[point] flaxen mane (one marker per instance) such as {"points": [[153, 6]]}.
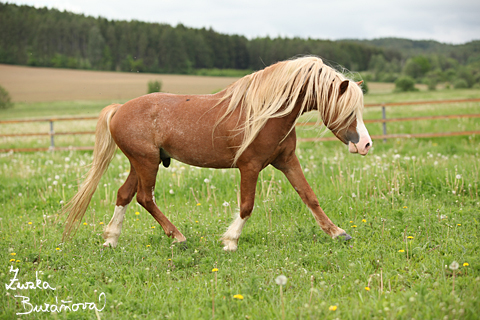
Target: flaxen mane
{"points": [[275, 91]]}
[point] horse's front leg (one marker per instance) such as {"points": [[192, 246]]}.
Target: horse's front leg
{"points": [[248, 184], [293, 171]]}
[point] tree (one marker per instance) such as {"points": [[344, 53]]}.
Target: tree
{"points": [[404, 84], [5, 101]]}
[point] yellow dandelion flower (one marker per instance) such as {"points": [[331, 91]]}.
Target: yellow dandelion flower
{"points": [[351, 221], [153, 227], [367, 288], [405, 207], [238, 296], [169, 259], [466, 264], [363, 220], [196, 221], [85, 223], [401, 250], [13, 254], [214, 270], [199, 204], [137, 219], [459, 224], [137, 213], [101, 222], [354, 226], [17, 261], [332, 308], [57, 249], [410, 237], [148, 245], [12, 260], [30, 222]]}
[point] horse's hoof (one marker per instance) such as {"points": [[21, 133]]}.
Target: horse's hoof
{"points": [[230, 245], [344, 237], [109, 244]]}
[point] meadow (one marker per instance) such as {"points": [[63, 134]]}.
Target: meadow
{"points": [[411, 205]]}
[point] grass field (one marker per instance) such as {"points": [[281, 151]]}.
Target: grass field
{"points": [[412, 207]]}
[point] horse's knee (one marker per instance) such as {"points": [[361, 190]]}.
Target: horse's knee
{"points": [[246, 210]]}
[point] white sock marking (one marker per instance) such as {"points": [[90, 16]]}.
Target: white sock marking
{"points": [[114, 227]]}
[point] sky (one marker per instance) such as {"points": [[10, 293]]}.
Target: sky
{"points": [[448, 21]]}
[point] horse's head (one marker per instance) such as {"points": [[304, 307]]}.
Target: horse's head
{"points": [[350, 128]]}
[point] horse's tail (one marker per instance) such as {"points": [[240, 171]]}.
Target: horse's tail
{"points": [[103, 152]]}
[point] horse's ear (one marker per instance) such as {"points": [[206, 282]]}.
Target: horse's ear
{"points": [[360, 82], [344, 86]]}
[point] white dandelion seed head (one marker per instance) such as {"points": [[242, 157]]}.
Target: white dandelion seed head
{"points": [[353, 195], [171, 191], [458, 176], [57, 177], [454, 265], [226, 204], [206, 181], [281, 280]]}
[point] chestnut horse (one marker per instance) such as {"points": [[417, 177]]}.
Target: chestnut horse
{"points": [[249, 125]]}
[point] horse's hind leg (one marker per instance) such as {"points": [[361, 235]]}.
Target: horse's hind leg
{"points": [[124, 197], [147, 168]]}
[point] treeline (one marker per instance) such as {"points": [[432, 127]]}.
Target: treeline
{"points": [[51, 38], [48, 37]]}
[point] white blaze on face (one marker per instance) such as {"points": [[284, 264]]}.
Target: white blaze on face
{"points": [[365, 142]]}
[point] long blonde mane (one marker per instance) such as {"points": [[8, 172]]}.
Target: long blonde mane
{"points": [[275, 91]]}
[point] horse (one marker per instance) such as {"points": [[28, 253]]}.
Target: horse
{"points": [[249, 125]]}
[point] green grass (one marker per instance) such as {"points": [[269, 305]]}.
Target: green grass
{"points": [[424, 188]]}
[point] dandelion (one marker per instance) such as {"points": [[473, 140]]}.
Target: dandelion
{"points": [[85, 223], [465, 264], [281, 280], [17, 261], [454, 266], [137, 213], [58, 249], [101, 222], [351, 221], [171, 191], [226, 204], [363, 220], [12, 260], [410, 237], [458, 176], [459, 224], [13, 254], [405, 207], [238, 296], [148, 246], [169, 259], [199, 204], [354, 226], [196, 221], [367, 288], [153, 227], [332, 308], [354, 195], [401, 250], [206, 181], [214, 270], [30, 222]]}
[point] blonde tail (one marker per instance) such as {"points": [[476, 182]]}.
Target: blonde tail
{"points": [[102, 155]]}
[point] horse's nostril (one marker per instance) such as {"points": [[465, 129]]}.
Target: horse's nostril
{"points": [[368, 145]]}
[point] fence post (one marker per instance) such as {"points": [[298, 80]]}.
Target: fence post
{"points": [[384, 123], [52, 133]]}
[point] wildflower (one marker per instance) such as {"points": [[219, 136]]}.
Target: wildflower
{"points": [[363, 220], [401, 250], [101, 222], [169, 259], [57, 249], [354, 195], [354, 226], [351, 221], [458, 176], [410, 237], [226, 204], [238, 296], [196, 221], [30, 222], [153, 227], [459, 224], [206, 181], [17, 261], [199, 204], [12, 260], [214, 270], [453, 265], [281, 280], [84, 223], [405, 207], [148, 245], [13, 254], [171, 191], [137, 213], [332, 308], [465, 264], [367, 288]]}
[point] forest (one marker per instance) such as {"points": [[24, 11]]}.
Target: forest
{"points": [[52, 38]]}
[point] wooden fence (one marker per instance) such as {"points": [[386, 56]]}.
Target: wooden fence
{"points": [[384, 122]]}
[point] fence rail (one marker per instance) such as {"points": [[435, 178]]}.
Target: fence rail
{"points": [[384, 121]]}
